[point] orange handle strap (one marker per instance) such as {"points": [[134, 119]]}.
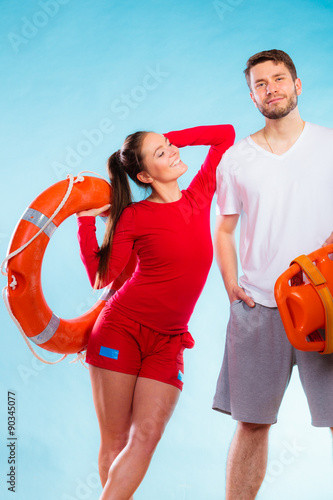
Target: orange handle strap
{"points": [[317, 279]]}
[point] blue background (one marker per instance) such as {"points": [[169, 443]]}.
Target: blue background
{"points": [[68, 67]]}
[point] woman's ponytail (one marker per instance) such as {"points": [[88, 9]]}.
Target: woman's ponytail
{"points": [[120, 198], [123, 163]]}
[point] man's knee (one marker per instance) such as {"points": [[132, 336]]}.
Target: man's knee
{"points": [[253, 429]]}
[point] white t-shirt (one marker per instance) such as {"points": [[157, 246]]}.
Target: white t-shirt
{"points": [[285, 203]]}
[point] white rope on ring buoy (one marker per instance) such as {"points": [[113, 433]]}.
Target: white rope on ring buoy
{"points": [[79, 178], [81, 355]]}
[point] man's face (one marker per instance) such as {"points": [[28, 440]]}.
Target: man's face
{"points": [[273, 90]]}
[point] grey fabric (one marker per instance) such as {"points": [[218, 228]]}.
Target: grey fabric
{"points": [[257, 366]]}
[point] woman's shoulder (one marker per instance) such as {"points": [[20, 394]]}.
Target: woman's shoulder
{"points": [[134, 212], [127, 216]]}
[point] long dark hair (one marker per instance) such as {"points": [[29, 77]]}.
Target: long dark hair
{"points": [[124, 163]]}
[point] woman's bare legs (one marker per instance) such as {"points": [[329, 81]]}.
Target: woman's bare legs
{"points": [[132, 415], [113, 398]]}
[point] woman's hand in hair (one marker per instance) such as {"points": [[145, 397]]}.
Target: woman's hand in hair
{"points": [[93, 212]]}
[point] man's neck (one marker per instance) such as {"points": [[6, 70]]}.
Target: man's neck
{"points": [[284, 127], [278, 136]]}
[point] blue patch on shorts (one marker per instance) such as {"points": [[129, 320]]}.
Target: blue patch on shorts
{"points": [[108, 353], [180, 376]]}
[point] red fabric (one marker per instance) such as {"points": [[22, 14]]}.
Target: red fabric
{"points": [[120, 344], [172, 241]]}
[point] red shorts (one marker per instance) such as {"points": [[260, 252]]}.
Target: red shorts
{"points": [[123, 345]]}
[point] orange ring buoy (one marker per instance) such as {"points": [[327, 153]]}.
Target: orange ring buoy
{"points": [[26, 299], [303, 295]]}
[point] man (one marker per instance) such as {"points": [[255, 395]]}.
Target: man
{"points": [[279, 181]]}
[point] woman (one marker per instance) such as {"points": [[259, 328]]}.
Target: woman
{"points": [[135, 350]]}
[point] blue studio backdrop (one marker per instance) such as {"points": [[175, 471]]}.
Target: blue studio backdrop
{"points": [[77, 77]]}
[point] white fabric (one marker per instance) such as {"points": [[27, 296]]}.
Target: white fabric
{"points": [[285, 203]]}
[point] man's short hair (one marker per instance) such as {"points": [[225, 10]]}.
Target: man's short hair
{"points": [[275, 55]]}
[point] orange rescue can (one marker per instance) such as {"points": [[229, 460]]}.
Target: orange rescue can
{"points": [[303, 295]]}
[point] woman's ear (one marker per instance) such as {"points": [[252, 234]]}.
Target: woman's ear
{"points": [[143, 176]]}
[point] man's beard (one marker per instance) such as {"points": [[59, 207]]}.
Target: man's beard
{"points": [[279, 111]]}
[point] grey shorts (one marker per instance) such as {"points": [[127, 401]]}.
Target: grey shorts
{"points": [[257, 366]]}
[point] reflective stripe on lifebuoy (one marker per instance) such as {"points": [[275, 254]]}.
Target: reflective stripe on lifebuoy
{"points": [[25, 297], [39, 220]]}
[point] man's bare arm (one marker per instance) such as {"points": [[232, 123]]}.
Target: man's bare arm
{"points": [[226, 256]]}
